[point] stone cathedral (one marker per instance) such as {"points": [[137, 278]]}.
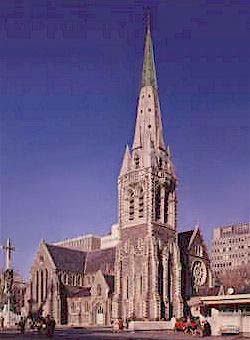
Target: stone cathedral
{"points": [[144, 269]]}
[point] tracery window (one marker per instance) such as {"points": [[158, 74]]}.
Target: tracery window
{"points": [[131, 206], [141, 203], [199, 273]]}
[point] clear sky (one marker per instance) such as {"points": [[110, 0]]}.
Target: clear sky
{"points": [[69, 82]]}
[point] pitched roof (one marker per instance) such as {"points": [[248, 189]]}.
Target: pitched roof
{"points": [[103, 260], [184, 239], [67, 259], [78, 291]]}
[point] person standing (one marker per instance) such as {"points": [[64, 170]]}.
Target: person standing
{"points": [[22, 325], [53, 326], [2, 323]]}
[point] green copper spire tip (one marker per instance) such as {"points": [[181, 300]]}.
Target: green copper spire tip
{"points": [[148, 71]]}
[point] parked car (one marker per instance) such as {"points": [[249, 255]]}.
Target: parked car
{"points": [[229, 329]]}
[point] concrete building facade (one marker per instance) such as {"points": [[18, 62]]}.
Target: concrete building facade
{"points": [[230, 248]]}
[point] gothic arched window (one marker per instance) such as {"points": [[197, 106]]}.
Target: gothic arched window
{"points": [[160, 163], [166, 206], [137, 161], [141, 284], [131, 206], [99, 290], [41, 288], [157, 202], [141, 203], [37, 285], [46, 282]]}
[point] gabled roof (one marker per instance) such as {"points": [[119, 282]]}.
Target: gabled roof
{"points": [[67, 259], [77, 291], [103, 260], [184, 239]]}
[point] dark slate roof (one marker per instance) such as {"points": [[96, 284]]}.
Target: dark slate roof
{"points": [[110, 282], [208, 291], [77, 291], [103, 260], [184, 239], [212, 291], [67, 259]]}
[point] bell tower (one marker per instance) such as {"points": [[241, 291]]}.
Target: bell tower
{"points": [[148, 263]]}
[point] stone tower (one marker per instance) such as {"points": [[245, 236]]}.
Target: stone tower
{"points": [[148, 269]]}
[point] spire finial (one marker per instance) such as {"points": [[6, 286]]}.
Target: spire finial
{"points": [[148, 19]]}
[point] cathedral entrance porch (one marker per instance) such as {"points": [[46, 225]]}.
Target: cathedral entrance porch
{"points": [[100, 316]]}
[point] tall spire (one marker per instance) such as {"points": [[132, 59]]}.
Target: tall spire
{"points": [[148, 121], [148, 71]]}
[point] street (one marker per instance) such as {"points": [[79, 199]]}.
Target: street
{"points": [[106, 333]]}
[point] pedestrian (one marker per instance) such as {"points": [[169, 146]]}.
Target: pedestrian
{"points": [[53, 325], [116, 326], [2, 323], [48, 326], [22, 325]]}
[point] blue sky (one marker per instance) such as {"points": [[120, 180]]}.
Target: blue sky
{"points": [[70, 74]]}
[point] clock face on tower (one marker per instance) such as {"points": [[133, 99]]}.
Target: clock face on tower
{"points": [[199, 273]]}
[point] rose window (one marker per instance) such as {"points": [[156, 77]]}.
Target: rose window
{"points": [[199, 273]]}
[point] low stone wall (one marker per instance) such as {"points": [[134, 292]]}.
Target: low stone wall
{"points": [[151, 325]]}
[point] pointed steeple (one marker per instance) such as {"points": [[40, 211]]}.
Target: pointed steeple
{"points": [[126, 161], [148, 121], [148, 70]]}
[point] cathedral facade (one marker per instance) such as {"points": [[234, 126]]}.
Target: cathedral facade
{"points": [[144, 270]]}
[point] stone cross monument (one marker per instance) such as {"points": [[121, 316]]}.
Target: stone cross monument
{"points": [[8, 280]]}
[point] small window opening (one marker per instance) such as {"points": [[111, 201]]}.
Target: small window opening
{"points": [[137, 161], [160, 163], [141, 203], [131, 207]]}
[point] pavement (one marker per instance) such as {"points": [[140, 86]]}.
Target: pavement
{"points": [[106, 333]]}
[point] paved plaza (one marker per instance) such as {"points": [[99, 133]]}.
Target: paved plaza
{"points": [[105, 333]]}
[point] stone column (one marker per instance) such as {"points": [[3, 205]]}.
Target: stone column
{"points": [[171, 210], [162, 203], [165, 283], [155, 299]]}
